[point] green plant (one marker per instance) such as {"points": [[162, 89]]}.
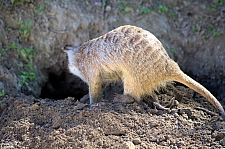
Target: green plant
{"points": [[123, 8], [27, 53], [207, 63], [144, 10], [173, 51], [215, 6], [163, 9], [4, 50], [212, 30], [194, 29], [25, 30], [11, 46], [213, 9], [17, 2], [27, 76], [1, 4], [216, 34], [41, 8], [103, 5], [205, 37], [2, 94]]}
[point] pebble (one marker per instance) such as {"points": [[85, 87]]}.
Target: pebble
{"points": [[35, 107], [184, 122], [128, 145], [123, 99], [108, 8], [144, 145], [84, 99], [80, 106], [185, 111], [3, 106], [136, 141], [175, 147], [223, 141]]}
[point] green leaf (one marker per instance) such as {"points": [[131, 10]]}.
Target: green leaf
{"points": [[216, 34], [25, 32], [22, 25], [128, 9]]}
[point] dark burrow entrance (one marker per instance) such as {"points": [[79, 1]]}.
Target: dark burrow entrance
{"points": [[68, 85], [63, 86]]}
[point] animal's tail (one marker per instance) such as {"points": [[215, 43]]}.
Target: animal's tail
{"points": [[186, 80], [67, 48]]}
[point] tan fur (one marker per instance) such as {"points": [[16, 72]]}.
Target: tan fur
{"points": [[134, 56]]}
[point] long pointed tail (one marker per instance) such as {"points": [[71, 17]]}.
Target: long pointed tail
{"points": [[186, 80]]}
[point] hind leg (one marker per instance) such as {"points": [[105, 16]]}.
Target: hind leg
{"points": [[131, 89]]}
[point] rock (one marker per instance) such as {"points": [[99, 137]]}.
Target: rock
{"points": [[175, 147], [108, 8], [153, 111], [80, 106], [186, 111], [84, 99], [223, 141], [3, 106], [35, 107], [123, 99], [144, 146], [137, 141], [116, 132], [57, 123], [128, 145], [219, 135]]}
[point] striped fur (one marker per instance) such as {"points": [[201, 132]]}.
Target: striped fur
{"points": [[134, 56]]}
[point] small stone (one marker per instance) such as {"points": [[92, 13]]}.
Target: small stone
{"points": [[153, 111], [184, 122], [175, 147], [80, 106], [84, 99], [185, 111], [3, 106], [128, 145], [181, 143], [223, 141], [152, 138], [136, 141], [123, 99], [57, 124], [108, 8], [175, 115], [144, 145], [219, 135], [35, 107]]}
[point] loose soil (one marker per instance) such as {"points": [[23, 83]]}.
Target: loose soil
{"points": [[28, 122]]}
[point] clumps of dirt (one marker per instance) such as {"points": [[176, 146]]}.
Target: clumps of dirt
{"points": [[44, 123]]}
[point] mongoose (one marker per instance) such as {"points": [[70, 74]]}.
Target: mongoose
{"points": [[134, 56]]}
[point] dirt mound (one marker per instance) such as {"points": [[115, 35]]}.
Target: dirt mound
{"points": [[44, 123]]}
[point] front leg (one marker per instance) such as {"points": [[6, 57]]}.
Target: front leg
{"points": [[95, 88]]}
